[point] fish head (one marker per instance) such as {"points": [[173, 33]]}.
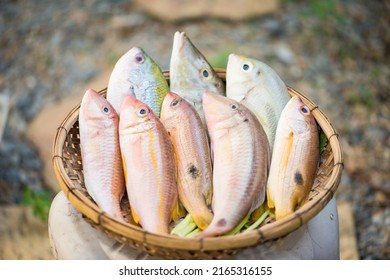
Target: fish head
{"points": [[190, 69], [173, 107], [222, 112], [95, 108], [136, 116], [300, 116], [244, 73], [138, 63]]}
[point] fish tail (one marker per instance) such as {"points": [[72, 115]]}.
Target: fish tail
{"points": [[178, 211], [216, 228], [203, 220]]}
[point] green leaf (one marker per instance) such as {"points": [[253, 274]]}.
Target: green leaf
{"points": [[194, 233], [238, 227], [323, 141], [186, 226], [221, 59], [40, 202], [258, 222]]}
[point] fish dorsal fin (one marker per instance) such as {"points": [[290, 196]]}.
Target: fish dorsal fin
{"points": [[178, 211]]}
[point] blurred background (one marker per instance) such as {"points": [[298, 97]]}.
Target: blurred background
{"points": [[336, 52]]}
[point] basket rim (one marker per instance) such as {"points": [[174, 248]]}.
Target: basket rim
{"points": [[267, 232]]}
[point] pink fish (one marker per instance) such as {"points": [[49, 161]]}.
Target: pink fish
{"points": [[101, 157], [149, 166], [241, 162]]}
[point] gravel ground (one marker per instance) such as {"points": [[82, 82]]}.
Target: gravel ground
{"points": [[338, 56]]}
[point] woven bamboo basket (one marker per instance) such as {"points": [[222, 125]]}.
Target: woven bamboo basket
{"points": [[69, 171]]}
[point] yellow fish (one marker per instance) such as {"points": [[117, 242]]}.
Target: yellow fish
{"points": [[295, 159], [192, 152]]}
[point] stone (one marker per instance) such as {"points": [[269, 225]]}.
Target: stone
{"points": [[127, 22], [176, 10], [284, 53], [22, 235], [43, 127], [348, 244], [4, 108]]}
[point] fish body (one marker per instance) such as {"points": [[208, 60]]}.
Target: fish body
{"points": [[191, 74], [149, 166], [100, 151], [136, 74], [240, 162], [192, 151], [295, 159], [259, 88]]}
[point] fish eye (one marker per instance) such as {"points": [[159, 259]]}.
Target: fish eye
{"points": [[245, 67], [139, 58], [106, 110], [175, 103], [233, 106], [206, 73], [305, 110], [142, 112]]}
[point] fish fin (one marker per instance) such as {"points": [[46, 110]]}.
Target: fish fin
{"points": [[124, 168], [178, 211], [212, 153], [270, 200], [135, 216], [208, 194]]}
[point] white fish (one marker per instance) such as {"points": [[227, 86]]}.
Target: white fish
{"points": [[191, 74], [136, 74], [258, 87]]}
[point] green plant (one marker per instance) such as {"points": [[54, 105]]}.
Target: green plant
{"points": [[112, 58], [39, 201], [220, 60]]}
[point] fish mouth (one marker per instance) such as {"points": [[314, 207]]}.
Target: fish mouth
{"points": [[178, 40], [234, 58], [91, 96]]}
